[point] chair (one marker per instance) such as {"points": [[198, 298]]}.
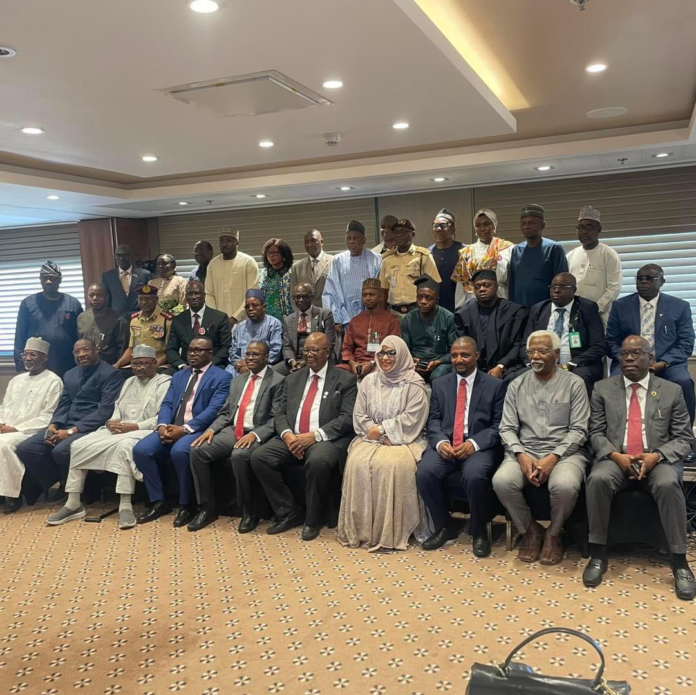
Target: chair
{"points": [[457, 502]]}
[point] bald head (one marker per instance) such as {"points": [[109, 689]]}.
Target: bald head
{"points": [[313, 243], [635, 358], [464, 353]]}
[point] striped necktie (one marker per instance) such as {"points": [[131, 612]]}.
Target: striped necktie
{"points": [[647, 325]]}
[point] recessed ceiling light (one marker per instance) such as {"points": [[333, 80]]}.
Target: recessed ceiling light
{"points": [[660, 155], [266, 143], [204, 6], [31, 130], [52, 197], [544, 167], [149, 158], [609, 112], [183, 202], [7, 52], [439, 179], [333, 84], [596, 67], [260, 195], [401, 125], [345, 188]]}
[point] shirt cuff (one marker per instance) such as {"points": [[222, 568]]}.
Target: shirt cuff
{"points": [[324, 438], [284, 432], [183, 365], [188, 429], [258, 439], [474, 444]]}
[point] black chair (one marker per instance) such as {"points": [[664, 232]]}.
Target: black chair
{"points": [[457, 501], [295, 479]]}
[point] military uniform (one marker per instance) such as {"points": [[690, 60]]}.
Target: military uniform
{"points": [[398, 272], [152, 331]]}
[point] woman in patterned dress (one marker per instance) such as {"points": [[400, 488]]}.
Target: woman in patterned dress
{"points": [[380, 506], [275, 278], [171, 288], [488, 253]]}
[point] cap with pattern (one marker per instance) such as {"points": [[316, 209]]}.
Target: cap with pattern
{"points": [[146, 290], [406, 224], [229, 231], [51, 268], [533, 210], [144, 351], [38, 345], [590, 213], [355, 226], [446, 214], [372, 284]]}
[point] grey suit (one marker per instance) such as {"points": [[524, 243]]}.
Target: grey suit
{"points": [[667, 431], [249, 493], [319, 321], [302, 272]]}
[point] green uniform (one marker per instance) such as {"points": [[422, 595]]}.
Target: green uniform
{"points": [[109, 332], [430, 340], [152, 331]]}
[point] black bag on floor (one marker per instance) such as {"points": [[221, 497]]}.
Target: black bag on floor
{"points": [[520, 679]]}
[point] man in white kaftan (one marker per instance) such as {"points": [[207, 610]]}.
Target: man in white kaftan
{"points": [[29, 402]]}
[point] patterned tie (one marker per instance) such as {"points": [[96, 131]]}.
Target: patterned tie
{"points": [[125, 282], [307, 405], [181, 412], [459, 415], [634, 437], [647, 326], [315, 263], [239, 427], [558, 327], [302, 327], [196, 324]]}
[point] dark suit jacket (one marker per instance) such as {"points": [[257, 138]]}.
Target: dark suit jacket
{"points": [[88, 405], [485, 410], [674, 329], [215, 326], [265, 408], [667, 424], [118, 300], [320, 321], [211, 393], [337, 403], [503, 339], [584, 319]]}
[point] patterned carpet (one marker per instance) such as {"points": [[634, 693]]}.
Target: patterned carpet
{"points": [[85, 607]]}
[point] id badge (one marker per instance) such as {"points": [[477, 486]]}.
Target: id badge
{"points": [[574, 339], [372, 347]]}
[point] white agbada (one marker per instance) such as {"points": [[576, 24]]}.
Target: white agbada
{"points": [[28, 407], [138, 403]]}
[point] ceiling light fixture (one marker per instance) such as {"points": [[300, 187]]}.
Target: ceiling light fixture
{"points": [[596, 67], [333, 84], [7, 52], [31, 130], [544, 167], [345, 188], [149, 158], [52, 197], [609, 112], [260, 195], [660, 155], [183, 202], [401, 125], [204, 6], [266, 143], [439, 179]]}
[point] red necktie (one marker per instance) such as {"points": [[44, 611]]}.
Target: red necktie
{"points": [[239, 427], [196, 324], [634, 438], [459, 415], [302, 328], [307, 405]]}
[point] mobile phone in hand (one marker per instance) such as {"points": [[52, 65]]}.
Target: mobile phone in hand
{"points": [[636, 468]]}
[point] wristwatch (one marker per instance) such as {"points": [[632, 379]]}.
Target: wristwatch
{"points": [[71, 431], [381, 430], [500, 366]]}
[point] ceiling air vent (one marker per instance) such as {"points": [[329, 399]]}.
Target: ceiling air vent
{"points": [[247, 95]]}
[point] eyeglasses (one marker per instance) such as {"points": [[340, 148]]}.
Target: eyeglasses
{"points": [[442, 225], [386, 353], [647, 278], [632, 353], [540, 351], [562, 287], [585, 227], [313, 351], [199, 351]]}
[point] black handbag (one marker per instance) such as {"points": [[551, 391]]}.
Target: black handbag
{"points": [[510, 677]]}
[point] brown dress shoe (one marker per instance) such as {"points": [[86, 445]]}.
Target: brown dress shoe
{"points": [[552, 552], [531, 545]]}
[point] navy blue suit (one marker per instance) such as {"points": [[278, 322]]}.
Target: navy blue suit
{"points": [[149, 452], [484, 414], [674, 338], [119, 301]]}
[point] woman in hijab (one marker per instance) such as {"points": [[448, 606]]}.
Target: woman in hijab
{"points": [[380, 507], [488, 253]]}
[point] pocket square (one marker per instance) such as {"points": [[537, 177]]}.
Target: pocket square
{"points": [[336, 394]]}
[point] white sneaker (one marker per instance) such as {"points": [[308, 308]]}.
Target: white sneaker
{"points": [[63, 515]]}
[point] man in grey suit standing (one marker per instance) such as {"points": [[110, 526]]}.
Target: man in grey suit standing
{"points": [[315, 267], [122, 280], [640, 431], [242, 425]]}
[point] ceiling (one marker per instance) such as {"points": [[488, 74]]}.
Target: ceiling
{"points": [[490, 90]]}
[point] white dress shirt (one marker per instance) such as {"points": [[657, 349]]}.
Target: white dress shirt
{"points": [[316, 405], [251, 406], [642, 394], [200, 313], [469, 389], [565, 342]]}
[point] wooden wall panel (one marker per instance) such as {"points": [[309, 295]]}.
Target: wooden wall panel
{"points": [[96, 249]]}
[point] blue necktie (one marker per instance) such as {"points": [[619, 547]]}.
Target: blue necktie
{"points": [[558, 328]]}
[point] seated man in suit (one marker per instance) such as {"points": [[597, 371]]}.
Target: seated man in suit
{"points": [[496, 324], [308, 318], [123, 280], [543, 429], [87, 402], [244, 423], [196, 321], [578, 324], [465, 411], [314, 424], [192, 403], [640, 431], [664, 321]]}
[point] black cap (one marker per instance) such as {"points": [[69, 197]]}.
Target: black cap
{"points": [[355, 226], [484, 274], [425, 282]]}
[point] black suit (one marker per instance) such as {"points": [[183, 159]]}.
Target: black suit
{"points": [[338, 393], [584, 319], [484, 413], [500, 343], [215, 326], [118, 300]]}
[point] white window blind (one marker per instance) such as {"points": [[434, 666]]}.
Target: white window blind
{"points": [[22, 252]]}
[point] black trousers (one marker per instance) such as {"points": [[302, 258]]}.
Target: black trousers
{"points": [[250, 495], [268, 462]]}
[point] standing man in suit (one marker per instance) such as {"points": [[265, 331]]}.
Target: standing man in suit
{"points": [[192, 403], [664, 321], [313, 269], [296, 327], [314, 425], [203, 253], [465, 411], [242, 426], [577, 323], [123, 280], [640, 431], [496, 325], [196, 321]]}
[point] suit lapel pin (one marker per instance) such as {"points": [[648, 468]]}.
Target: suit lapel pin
{"points": [[325, 395], [653, 393]]}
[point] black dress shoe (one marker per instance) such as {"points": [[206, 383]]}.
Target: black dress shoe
{"points": [[285, 523], [309, 533], [201, 520], [248, 523], [439, 538], [592, 574], [12, 504], [183, 516], [157, 510], [481, 546], [685, 584]]}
